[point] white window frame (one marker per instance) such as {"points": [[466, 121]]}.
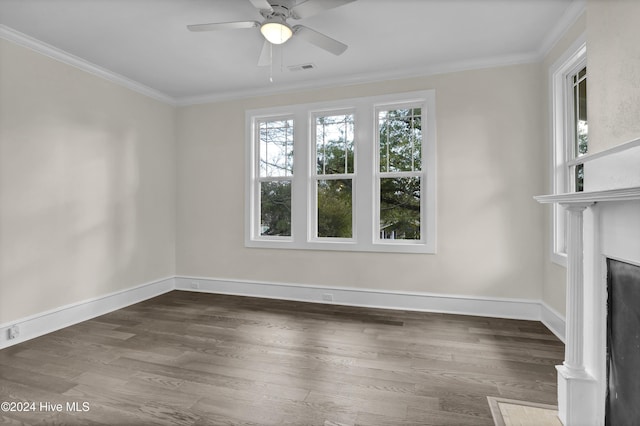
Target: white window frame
{"points": [[259, 179], [315, 177], [365, 236], [562, 133], [390, 175]]}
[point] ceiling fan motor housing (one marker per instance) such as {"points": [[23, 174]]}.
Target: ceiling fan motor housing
{"points": [[280, 9]]}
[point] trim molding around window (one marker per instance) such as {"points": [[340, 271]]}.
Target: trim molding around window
{"points": [[354, 175], [566, 150]]}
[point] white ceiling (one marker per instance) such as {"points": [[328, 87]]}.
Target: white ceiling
{"points": [[146, 41]]}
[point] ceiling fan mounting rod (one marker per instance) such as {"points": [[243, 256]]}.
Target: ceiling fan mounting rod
{"points": [[281, 11]]}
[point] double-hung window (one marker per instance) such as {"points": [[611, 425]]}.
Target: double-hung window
{"points": [[398, 183], [274, 138], [578, 132], [333, 175], [356, 174], [569, 134]]}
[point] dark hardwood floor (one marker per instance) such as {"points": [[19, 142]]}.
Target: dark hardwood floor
{"points": [[202, 359]]}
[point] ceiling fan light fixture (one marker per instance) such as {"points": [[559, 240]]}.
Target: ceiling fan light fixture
{"points": [[276, 31]]}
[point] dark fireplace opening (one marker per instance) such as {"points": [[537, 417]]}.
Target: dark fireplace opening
{"points": [[623, 344]]}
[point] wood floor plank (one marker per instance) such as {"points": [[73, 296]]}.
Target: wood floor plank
{"points": [[186, 358]]}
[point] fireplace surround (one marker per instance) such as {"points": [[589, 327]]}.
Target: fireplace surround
{"points": [[623, 344], [604, 223]]}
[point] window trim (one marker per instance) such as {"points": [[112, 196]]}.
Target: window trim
{"points": [[568, 64], [364, 176], [379, 175], [314, 178], [255, 173]]}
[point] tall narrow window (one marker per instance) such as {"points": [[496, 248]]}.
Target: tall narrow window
{"points": [[580, 130], [275, 145], [570, 135], [334, 149], [400, 173]]}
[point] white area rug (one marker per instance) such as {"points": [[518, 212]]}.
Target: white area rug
{"points": [[509, 412]]}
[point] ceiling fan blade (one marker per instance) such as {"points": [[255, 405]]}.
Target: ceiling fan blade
{"points": [[224, 26], [312, 7], [320, 40], [261, 4], [265, 55]]}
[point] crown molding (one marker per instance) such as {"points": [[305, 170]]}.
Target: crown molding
{"points": [[569, 17], [9, 34], [407, 73], [53, 52]]}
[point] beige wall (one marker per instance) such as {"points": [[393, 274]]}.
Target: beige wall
{"points": [[87, 185], [613, 60], [555, 276], [88, 174], [489, 157]]}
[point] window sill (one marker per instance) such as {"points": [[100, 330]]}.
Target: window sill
{"points": [[395, 247], [559, 259]]}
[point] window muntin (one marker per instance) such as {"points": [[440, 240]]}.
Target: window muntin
{"points": [[399, 134], [275, 174], [334, 136], [275, 138], [400, 139]]}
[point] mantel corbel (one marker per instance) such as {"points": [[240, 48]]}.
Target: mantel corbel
{"points": [[577, 207]]}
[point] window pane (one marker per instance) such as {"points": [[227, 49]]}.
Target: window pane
{"points": [[276, 148], [580, 107], [275, 208], [400, 208], [582, 72], [400, 133], [334, 144], [335, 208], [580, 127], [579, 178]]}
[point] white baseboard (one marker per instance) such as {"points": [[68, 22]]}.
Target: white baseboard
{"points": [[47, 322], [450, 304], [552, 320]]}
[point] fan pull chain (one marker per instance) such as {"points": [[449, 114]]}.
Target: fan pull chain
{"points": [[270, 63], [281, 60]]}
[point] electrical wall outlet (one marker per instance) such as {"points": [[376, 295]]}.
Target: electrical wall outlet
{"points": [[327, 297], [195, 284], [13, 332]]}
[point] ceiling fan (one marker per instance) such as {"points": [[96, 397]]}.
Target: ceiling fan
{"points": [[275, 28]]}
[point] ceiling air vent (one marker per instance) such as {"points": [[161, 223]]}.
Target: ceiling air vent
{"points": [[302, 67]]}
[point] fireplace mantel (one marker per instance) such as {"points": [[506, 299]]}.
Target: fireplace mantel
{"points": [[623, 194], [603, 222]]}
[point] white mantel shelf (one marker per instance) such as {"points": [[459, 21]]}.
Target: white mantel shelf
{"points": [[624, 194]]}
